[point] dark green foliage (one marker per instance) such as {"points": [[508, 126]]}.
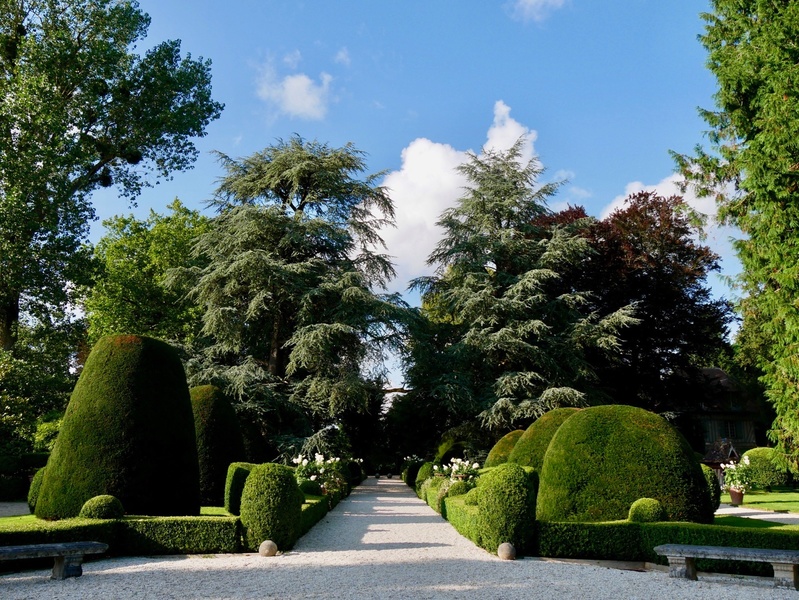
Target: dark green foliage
{"points": [[713, 486], [506, 507], [313, 511], [128, 431], [424, 473], [646, 510], [502, 449], [530, 449], [234, 485], [219, 440], [763, 471], [102, 507], [309, 487], [33, 491], [410, 472], [271, 507], [603, 458]]}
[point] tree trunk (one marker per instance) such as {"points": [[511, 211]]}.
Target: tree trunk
{"points": [[9, 317], [274, 348]]}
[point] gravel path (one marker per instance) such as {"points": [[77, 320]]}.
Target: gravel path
{"points": [[381, 542]]}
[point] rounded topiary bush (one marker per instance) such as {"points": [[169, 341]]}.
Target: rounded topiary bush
{"points": [[237, 474], [763, 472], [713, 487], [271, 507], [219, 440], [646, 510], [103, 506], [458, 488], [502, 449], [603, 458], [425, 472], [33, 490], [310, 487], [532, 445], [128, 431], [506, 501]]}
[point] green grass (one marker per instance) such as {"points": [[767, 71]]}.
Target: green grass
{"points": [[733, 521], [780, 500]]}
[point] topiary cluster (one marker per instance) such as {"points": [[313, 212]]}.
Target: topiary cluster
{"points": [[502, 449], [506, 500], [271, 507], [532, 445], [763, 472], [128, 431], [237, 474], [219, 440], [102, 507], [646, 510], [603, 458]]}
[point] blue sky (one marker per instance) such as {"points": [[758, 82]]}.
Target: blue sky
{"points": [[603, 90]]}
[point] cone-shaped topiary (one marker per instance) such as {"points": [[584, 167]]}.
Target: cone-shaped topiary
{"points": [[219, 441], [604, 458], [502, 449], [128, 431], [33, 490], [530, 448], [713, 487], [271, 507]]}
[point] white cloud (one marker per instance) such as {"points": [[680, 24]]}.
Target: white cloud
{"points": [[342, 57], [295, 95], [428, 183], [292, 59], [505, 131], [534, 10]]}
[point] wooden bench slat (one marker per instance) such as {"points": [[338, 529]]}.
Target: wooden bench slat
{"points": [[68, 555]]}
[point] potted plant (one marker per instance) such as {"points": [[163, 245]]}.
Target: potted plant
{"points": [[737, 480]]}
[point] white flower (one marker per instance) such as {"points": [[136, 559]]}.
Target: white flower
{"points": [[319, 457], [476, 466], [304, 462], [435, 467], [313, 477], [746, 460]]}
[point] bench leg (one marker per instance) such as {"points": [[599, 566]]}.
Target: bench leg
{"points": [[786, 575], [67, 566], [683, 567]]}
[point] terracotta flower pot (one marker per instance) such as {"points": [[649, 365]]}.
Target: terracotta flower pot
{"points": [[736, 497]]}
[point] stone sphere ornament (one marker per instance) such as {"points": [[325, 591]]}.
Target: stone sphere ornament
{"points": [[267, 548], [506, 551]]}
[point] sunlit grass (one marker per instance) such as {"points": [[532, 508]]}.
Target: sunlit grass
{"points": [[780, 500]]}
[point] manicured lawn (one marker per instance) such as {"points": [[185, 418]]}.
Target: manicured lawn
{"points": [[784, 500], [733, 521]]}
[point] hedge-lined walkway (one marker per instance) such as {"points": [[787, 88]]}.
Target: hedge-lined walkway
{"points": [[381, 542]]}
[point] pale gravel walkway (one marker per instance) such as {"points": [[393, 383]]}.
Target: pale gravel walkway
{"points": [[381, 542]]}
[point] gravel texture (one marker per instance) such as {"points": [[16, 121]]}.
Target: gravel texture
{"points": [[381, 542]]}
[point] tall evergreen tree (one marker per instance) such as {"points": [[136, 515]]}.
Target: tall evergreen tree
{"points": [[752, 168], [517, 338], [290, 291]]}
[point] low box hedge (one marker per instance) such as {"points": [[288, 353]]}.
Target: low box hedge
{"points": [[177, 535]]}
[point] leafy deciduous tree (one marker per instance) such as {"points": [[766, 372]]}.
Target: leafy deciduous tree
{"points": [[80, 110]]}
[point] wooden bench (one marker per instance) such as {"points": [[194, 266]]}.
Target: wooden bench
{"points": [[68, 556], [682, 560]]}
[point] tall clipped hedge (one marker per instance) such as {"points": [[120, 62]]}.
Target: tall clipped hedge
{"points": [[219, 440], [271, 506], [128, 431], [532, 445], [502, 449], [506, 502], [604, 458]]}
